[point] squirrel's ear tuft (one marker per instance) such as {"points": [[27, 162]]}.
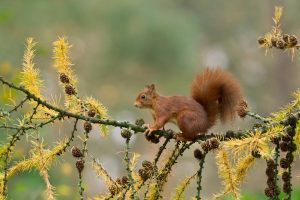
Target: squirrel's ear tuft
{"points": [[152, 87]]}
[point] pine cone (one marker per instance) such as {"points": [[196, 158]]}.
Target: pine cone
{"points": [[270, 172], [214, 143], [242, 109], [91, 113], [292, 40], [87, 126], [198, 154], [271, 163], [76, 152], [286, 138], [143, 174], [147, 164], [80, 165], [285, 177], [205, 146], [125, 180], [284, 163], [261, 40], [284, 146], [269, 192], [113, 189], [271, 182], [119, 181], [69, 90], [126, 133], [63, 78], [274, 41], [139, 122], [285, 37], [280, 44], [275, 139]]}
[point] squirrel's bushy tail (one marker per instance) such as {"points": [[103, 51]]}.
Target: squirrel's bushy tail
{"points": [[218, 92]]}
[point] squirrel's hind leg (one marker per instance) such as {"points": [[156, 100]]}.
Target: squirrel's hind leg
{"points": [[191, 123]]}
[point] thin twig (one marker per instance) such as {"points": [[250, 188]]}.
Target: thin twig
{"points": [[155, 168], [77, 116], [80, 187], [18, 106], [135, 128], [84, 152], [14, 139], [128, 169], [160, 151], [27, 127], [257, 116], [277, 154], [199, 176], [162, 177], [70, 139], [33, 113]]}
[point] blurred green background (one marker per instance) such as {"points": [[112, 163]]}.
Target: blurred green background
{"points": [[119, 46]]}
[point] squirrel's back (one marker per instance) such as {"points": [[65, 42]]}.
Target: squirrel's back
{"points": [[218, 92]]}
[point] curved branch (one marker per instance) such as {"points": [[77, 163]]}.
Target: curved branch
{"points": [[135, 128]]}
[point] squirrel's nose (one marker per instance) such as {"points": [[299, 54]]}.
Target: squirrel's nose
{"points": [[136, 104]]}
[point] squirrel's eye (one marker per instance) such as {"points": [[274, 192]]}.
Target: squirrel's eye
{"points": [[143, 97]]}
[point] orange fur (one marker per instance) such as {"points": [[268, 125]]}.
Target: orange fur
{"points": [[213, 92]]}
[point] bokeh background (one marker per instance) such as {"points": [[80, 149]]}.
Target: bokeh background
{"points": [[119, 46]]}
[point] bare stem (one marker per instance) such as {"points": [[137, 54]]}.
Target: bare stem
{"points": [[129, 172], [155, 168], [12, 142], [135, 128], [18, 106], [70, 139], [162, 177], [277, 154], [80, 186], [199, 176], [257, 116]]}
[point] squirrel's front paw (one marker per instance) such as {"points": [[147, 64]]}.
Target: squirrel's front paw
{"points": [[149, 130], [147, 126]]}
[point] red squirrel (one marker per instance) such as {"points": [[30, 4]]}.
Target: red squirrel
{"points": [[214, 93]]}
